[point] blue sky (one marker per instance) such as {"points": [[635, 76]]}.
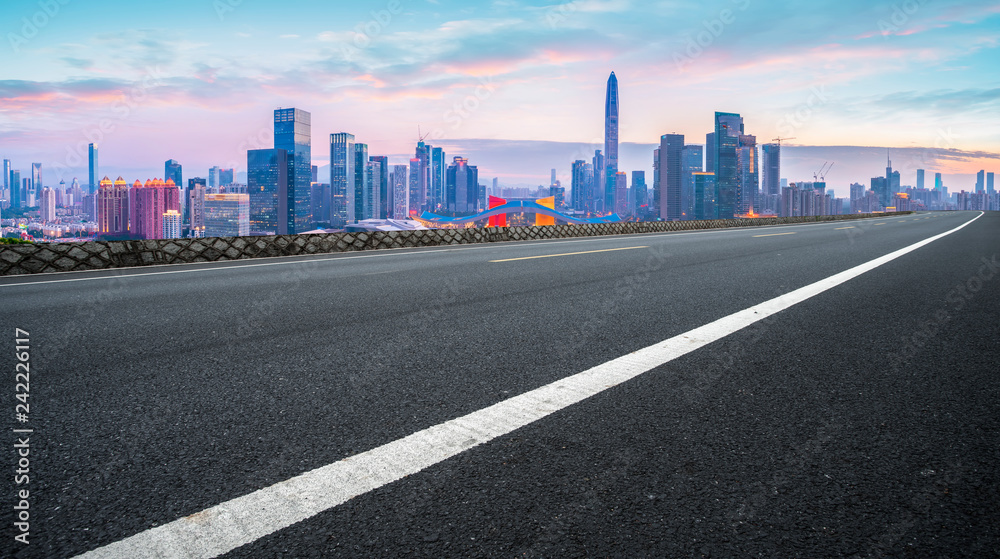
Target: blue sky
{"points": [[197, 81]]}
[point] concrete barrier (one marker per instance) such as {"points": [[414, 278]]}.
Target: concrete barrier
{"points": [[100, 255]]}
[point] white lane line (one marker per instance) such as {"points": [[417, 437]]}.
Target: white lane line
{"points": [[385, 253], [222, 528]]}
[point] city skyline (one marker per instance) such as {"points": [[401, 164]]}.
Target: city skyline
{"points": [[475, 86]]}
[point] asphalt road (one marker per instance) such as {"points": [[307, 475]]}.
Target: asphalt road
{"points": [[862, 422]]}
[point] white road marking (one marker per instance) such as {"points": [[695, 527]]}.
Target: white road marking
{"points": [[222, 528]]}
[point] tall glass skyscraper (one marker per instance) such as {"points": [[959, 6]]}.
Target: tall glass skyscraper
{"points": [[462, 187], [438, 179], [381, 172], [920, 178], [691, 163], [6, 175], [267, 185], [341, 178], [293, 133], [728, 129], [770, 166], [671, 176], [362, 185], [92, 161], [610, 166]]}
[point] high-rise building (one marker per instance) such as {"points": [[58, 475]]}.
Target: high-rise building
{"points": [[582, 186], [691, 163], [227, 177], [710, 152], [267, 185], [439, 171], [610, 167], [704, 196], [981, 181], [113, 207], [920, 178], [15, 190], [196, 207], [380, 179], [423, 179], [400, 193], [92, 162], [6, 176], [36, 181], [671, 176], [48, 204], [147, 204], [770, 169], [227, 215], [989, 183], [621, 193], [857, 191], [342, 160], [373, 194], [640, 195], [318, 200], [938, 183], [214, 180], [748, 174], [599, 181], [462, 187], [728, 129], [172, 170], [414, 186], [293, 133], [171, 224], [362, 185]]}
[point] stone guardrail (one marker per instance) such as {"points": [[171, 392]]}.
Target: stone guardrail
{"points": [[99, 255]]}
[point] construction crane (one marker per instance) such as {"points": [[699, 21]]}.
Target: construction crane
{"points": [[819, 173], [779, 140], [822, 176]]}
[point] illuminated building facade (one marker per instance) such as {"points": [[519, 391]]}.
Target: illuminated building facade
{"points": [[113, 207], [147, 204], [227, 215]]}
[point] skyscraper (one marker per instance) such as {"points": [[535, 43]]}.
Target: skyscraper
{"points": [[597, 195], [728, 129], [691, 163], [293, 133], [400, 193], [920, 178], [423, 180], [48, 204], [362, 185], [195, 207], [581, 194], [214, 180], [113, 207], [6, 177], [770, 167], [92, 161], [462, 187], [380, 181], [15, 190], [989, 183], [640, 194], [36, 183], [227, 176], [671, 175], [704, 196], [267, 185], [621, 193], [172, 170], [981, 181], [610, 166], [171, 225], [439, 170], [938, 183], [414, 186], [227, 215], [748, 173], [710, 152], [341, 178]]}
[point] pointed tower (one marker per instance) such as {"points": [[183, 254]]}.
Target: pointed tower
{"points": [[610, 143]]}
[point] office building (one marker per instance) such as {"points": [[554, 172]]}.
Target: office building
{"points": [[981, 181], [439, 179], [938, 183], [6, 177], [113, 208], [318, 199], [361, 207], [640, 195], [748, 174], [770, 169], [989, 183], [380, 181], [92, 163], [920, 178], [462, 187], [728, 129], [293, 133], [342, 159], [671, 176], [691, 162], [414, 185], [598, 184], [610, 166], [267, 186], [422, 179], [704, 196], [172, 170], [36, 184], [400, 192], [227, 215], [581, 186], [621, 194]]}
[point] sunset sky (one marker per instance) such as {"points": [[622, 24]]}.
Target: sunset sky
{"points": [[517, 86]]}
